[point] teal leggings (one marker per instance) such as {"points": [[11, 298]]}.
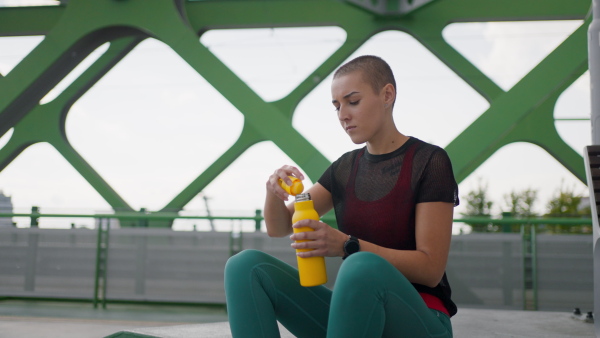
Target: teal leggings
{"points": [[371, 298]]}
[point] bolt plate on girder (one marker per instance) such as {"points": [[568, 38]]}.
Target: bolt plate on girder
{"points": [[390, 7]]}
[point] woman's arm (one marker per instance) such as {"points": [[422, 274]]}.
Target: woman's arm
{"points": [[425, 265], [433, 232], [321, 197], [278, 216]]}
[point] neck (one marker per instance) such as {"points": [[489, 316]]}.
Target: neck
{"points": [[386, 144]]}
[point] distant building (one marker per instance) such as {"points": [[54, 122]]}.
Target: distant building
{"points": [[6, 206]]}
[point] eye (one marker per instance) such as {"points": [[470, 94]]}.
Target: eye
{"points": [[354, 103], [336, 108]]}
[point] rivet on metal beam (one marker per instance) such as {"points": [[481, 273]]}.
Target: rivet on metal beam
{"points": [[390, 7]]}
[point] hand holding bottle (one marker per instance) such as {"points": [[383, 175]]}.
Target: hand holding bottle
{"points": [[323, 240]]}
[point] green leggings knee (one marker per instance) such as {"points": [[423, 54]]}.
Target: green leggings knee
{"points": [[371, 298]]}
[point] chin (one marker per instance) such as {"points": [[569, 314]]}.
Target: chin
{"points": [[357, 141]]}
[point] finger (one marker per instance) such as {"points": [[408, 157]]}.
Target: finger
{"points": [[310, 223], [285, 171], [291, 171], [306, 254], [303, 245], [279, 191], [307, 245], [311, 253], [302, 236], [274, 187], [296, 172]]}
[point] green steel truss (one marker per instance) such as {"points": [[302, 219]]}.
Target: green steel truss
{"points": [[73, 31]]}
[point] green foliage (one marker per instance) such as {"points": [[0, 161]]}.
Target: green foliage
{"points": [[520, 205], [564, 204], [567, 203], [477, 201], [478, 205]]}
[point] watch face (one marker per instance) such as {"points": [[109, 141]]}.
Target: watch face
{"points": [[351, 246]]}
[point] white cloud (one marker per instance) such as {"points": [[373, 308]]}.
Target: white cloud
{"points": [[506, 51], [6, 137], [14, 49], [517, 47], [274, 61], [24, 3]]}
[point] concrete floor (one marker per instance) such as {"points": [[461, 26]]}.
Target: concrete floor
{"points": [[69, 320]]}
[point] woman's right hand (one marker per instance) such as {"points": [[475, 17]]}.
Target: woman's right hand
{"points": [[273, 186]]}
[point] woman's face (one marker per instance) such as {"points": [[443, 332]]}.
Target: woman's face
{"points": [[360, 110]]}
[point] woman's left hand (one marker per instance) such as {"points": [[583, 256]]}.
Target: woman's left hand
{"points": [[324, 240]]}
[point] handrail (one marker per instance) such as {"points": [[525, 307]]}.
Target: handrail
{"points": [[528, 237], [258, 217], [133, 215], [538, 220]]}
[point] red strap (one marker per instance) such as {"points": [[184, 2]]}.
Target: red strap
{"points": [[434, 303]]}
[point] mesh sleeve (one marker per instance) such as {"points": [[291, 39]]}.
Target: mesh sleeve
{"points": [[437, 183]]}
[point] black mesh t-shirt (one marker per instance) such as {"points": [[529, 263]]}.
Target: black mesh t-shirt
{"points": [[432, 177], [381, 205]]}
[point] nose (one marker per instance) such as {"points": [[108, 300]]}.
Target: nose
{"points": [[343, 114]]}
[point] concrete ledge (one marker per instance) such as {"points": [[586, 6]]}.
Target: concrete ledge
{"points": [[467, 323], [213, 330]]}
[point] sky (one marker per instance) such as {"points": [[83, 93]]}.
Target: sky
{"points": [[152, 124]]}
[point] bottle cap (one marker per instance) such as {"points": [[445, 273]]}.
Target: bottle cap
{"points": [[296, 188]]}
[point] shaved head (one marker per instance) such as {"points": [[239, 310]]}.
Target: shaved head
{"points": [[376, 72]]}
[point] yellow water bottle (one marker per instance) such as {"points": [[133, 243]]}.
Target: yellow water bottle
{"points": [[296, 188], [312, 269]]}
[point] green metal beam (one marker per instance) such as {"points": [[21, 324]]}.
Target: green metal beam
{"points": [[248, 138], [73, 31], [45, 123], [431, 37], [23, 21], [507, 119]]}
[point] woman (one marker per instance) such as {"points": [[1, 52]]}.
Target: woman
{"points": [[393, 201]]}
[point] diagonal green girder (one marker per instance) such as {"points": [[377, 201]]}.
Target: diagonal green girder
{"points": [[249, 136], [524, 113], [542, 85], [45, 123]]}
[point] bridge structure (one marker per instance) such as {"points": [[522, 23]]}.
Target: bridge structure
{"points": [[74, 29]]}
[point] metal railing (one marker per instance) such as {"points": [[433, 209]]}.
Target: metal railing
{"points": [[528, 233], [528, 229]]}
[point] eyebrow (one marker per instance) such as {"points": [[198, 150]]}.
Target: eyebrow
{"points": [[346, 96]]}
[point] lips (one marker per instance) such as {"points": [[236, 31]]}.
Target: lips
{"points": [[350, 128]]}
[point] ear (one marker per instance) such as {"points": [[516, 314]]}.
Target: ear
{"points": [[389, 94]]}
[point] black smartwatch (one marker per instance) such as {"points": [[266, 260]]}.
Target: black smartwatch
{"points": [[351, 246]]}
